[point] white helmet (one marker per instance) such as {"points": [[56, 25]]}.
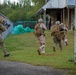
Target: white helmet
{"points": [[57, 22], [62, 24], [40, 20]]}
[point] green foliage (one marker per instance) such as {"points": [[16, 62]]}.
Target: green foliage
{"points": [[22, 10], [38, 3]]}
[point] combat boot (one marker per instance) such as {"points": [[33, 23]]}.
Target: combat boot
{"points": [[38, 50], [6, 55], [54, 49], [66, 43], [61, 48]]}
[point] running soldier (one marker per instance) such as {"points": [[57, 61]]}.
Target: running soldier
{"points": [[2, 29], [63, 32], [55, 32], [39, 33]]}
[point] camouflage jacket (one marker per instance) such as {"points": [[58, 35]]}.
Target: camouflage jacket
{"points": [[2, 28]]}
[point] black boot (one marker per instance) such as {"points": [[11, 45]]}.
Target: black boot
{"points": [[38, 50], [6, 55], [66, 43], [61, 48], [54, 49]]}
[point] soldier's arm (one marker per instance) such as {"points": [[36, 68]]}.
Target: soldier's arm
{"points": [[44, 27], [66, 29]]}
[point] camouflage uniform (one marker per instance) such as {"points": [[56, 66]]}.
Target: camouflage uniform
{"points": [[2, 29], [56, 36], [63, 31], [41, 38]]}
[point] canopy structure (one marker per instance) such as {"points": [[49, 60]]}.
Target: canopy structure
{"points": [[56, 4]]}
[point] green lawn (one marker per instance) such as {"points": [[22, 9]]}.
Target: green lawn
{"points": [[23, 48]]}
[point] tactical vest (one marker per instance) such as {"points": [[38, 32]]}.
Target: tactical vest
{"points": [[54, 29], [38, 31]]}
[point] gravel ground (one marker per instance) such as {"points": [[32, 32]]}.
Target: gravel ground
{"points": [[16, 68]]}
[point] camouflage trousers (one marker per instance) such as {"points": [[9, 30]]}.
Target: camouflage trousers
{"points": [[41, 40], [57, 41], [64, 39], [2, 44]]}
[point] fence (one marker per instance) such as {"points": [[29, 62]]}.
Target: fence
{"points": [[30, 24]]}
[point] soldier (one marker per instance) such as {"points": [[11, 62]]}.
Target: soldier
{"points": [[2, 29], [63, 32], [56, 35], [39, 33]]}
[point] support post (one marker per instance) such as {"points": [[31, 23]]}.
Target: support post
{"points": [[68, 17], [75, 35], [44, 17], [64, 16]]}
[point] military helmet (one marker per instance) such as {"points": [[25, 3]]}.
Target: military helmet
{"points": [[57, 22], [40, 20], [62, 24]]}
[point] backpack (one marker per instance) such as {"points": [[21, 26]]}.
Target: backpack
{"points": [[38, 31], [54, 29]]}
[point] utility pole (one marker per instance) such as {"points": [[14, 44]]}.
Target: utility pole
{"points": [[75, 35]]}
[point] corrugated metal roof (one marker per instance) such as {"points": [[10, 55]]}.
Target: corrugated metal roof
{"points": [[70, 2], [54, 4], [51, 4]]}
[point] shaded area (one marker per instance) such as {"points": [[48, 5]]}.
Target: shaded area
{"points": [[19, 29]]}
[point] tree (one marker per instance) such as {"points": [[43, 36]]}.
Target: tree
{"points": [[39, 3], [22, 10]]}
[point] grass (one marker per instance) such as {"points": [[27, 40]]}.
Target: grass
{"points": [[23, 48]]}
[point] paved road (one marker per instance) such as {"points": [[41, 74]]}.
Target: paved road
{"points": [[16, 68]]}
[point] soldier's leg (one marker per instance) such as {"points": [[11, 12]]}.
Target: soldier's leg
{"points": [[63, 38], [4, 50], [60, 44], [55, 44], [39, 39], [39, 50], [66, 40], [42, 47]]}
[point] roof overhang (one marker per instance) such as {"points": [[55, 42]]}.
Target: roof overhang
{"points": [[56, 4], [50, 5], [39, 11], [71, 6]]}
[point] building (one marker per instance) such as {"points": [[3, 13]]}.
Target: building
{"points": [[62, 10]]}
